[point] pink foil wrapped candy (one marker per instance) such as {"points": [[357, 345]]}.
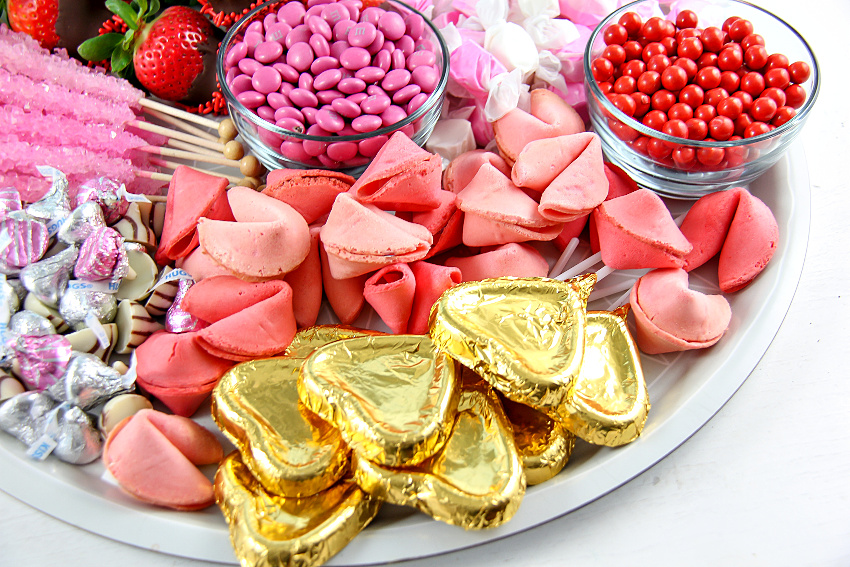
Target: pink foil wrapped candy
{"points": [[102, 256], [43, 359], [22, 241]]}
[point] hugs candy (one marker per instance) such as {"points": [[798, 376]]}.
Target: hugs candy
{"points": [[102, 256], [108, 194]]}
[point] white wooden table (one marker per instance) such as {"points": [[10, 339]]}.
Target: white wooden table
{"points": [[765, 482]]}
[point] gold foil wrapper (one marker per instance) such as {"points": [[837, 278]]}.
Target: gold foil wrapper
{"points": [[393, 397], [476, 480], [608, 403], [525, 336], [268, 530], [544, 444], [290, 450]]}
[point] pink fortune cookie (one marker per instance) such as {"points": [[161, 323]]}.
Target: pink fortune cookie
{"points": [[154, 456], [463, 168], [619, 184], [344, 296], [498, 212], [200, 265], [445, 223], [572, 229], [390, 292], [192, 195], [306, 284], [707, 223], [401, 177], [636, 231], [269, 239], [670, 317], [175, 368], [431, 281], [519, 260], [362, 238], [249, 320], [568, 170], [749, 245], [550, 117], [311, 192]]}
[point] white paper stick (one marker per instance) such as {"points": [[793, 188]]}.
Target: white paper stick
{"points": [[580, 267], [561, 262]]}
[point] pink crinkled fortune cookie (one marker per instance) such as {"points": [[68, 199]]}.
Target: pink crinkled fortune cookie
{"points": [[707, 223], [636, 231], [345, 296], [619, 184], [513, 259], [306, 284], [256, 321], [154, 456], [362, 238], [401, 177], [498, 212], [568, 170], [749, 245], [177, 370], [390, 292], [311, 192], [445, 223], [431, 281], [269, 239], [192, 195], [670, 317], [550, 116], [463, 168], [200, 265]]}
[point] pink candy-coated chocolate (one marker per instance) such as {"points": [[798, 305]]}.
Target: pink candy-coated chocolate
{"points": [[292, 13], [396, 79], [290, 124], [303, 98], [377, 44], [397, 59], [328, 96], [329, 120], [305, 81], [249, 66], [367, 123], [392, 115], [371, 146], [415, 25], [266, 80], [404, 94], [354, 58], [251, 99], [278, 32], [383, 59], [320, 45], [241, 84], [352, 85], [252, 39], [346, 108], [392, 25], [426, 77], [335, 13], [342, 28], [416, 102], [278, 100], [300, 56], [362, 34], [341, 151], [238, 52], [268, 52], [299, 34], [420, 58], [318, 25], [287, 72], [375, 104], [322, 64], [372, 15], [370, 74], [266, 112]]}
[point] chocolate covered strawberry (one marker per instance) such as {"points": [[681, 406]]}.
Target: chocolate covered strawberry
{"points": [[172, 54]]}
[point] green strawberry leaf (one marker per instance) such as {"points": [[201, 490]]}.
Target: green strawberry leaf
{"points": [[100, 47], [125, 12], [120, 60], [155, 7], [129, 40]]}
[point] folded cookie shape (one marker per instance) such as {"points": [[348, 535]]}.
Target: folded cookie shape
{"points": [[268, 529], [345, 296], [749, 245], [390, 292], [608, 403], [636, 231], [619, 184], [707, 223], [362, 238], [445, 223], [475, 480], [200, 265], [544, 444], [670, 317], [550, 116], [346, 383], [311, 192], [258, 322], [569, 172], [401, 177], [463, 168], [192, 195], [498, 212], [154, 457], [525, 336], [306, 284], [268, 239], [177, 370], [287, 448], [513, 259], [431, 281]]}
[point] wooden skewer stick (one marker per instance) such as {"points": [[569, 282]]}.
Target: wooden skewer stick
{"points": [[175, 165], [188, 116], [142, 125], [191, 148], [155, 175], [180, 154], [182, 125]]}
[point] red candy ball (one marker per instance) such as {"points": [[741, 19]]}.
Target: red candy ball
{"points": [[800, 71], [615, 34], [674, 78]]}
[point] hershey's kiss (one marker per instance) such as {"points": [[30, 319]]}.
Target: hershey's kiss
{"points": [[47, 279]]}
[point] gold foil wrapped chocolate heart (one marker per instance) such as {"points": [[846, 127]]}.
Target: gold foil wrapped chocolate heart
{"points": [[525, 336], [475, 481], [268, 530], [393, 397], [608, 403], [544, 444]]}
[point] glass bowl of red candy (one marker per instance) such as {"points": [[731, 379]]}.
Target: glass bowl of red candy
{"points": [[695, 96], [324, 84]]}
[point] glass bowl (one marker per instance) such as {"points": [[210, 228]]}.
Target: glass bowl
{"points": [[296, 148], [689, 168]]}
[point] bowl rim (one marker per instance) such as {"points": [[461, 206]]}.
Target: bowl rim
{"points": [[635, 124], [244, 111]]}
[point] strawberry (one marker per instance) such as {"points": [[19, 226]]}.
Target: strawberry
{"points": [[172, 53], [57, 23]]}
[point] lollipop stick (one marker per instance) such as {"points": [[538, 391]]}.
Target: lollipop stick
{"points": [[142, 125], [188, 116], [188, 128], [191, 148], [561, 262], [580, 267], [181, 154], [175, 165]]}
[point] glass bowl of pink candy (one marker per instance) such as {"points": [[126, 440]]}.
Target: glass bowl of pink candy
{"points": [[718, 93], [324, 84]]}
